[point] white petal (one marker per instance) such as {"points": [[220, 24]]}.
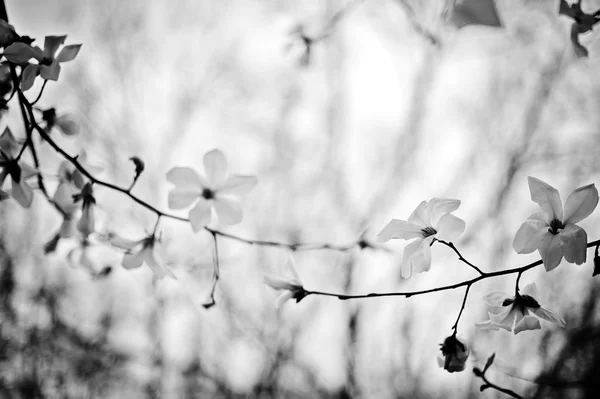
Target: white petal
{"points": [[487, 325], [573, 241], [27, 171], [505, 319], [421, 259], [22, 193], [186, 178], [156, 264], [399, 229], [200, 215], [86, 225], [182, 198], [215, 167], [68, 53], [421, 216], [441, 360], [580, 204], [68, 228], [531, 290], [550, 250], [550, 316], [547, 197], [291, 267], [120, 242], [237, 185], [496, 298], [279, 283], [529, 236], [527, 323], [409, 250], [450, 227], [132, 261], [63, 197], [229, 210], [283, 298], [440, 206], [50, 72]]}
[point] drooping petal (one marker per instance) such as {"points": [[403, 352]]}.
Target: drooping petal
{"points": [[29, 74], [124, 243], [291, 267], [229, 210], [421, 259], [421, 215], [573, 241], [27, 171], [182, 198], [63, 197], [279, 283], [529, 236], [550, 250], [527, 323], [409, 250], [283, 298], [156, 263], [440, 206], [68, 228], [505, 319], [237, 185], [450, 227], [20, 53], [200, 215], [487, 325], [530, 289], [87, 223], [68, 53], [51, 44], [215, 167], [8, 144], [132, 261], [186, 178], [399, 229], [547, 198], [50, 72], [496, 298], [580, 204], [550, 316], [22, 193]]}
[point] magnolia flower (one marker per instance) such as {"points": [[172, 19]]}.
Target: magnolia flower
{"points": [[554, 232], [48, 66], [66, 123], [87, 222], [18, 171], [290, 287], [215, 191], [517, 313], [431, 220], [454, 354], [140, 252]]}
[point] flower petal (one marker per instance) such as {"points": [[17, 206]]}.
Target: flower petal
{"points": [[50, 72], [450, 227], [86, 225], [547, 197], [123, 243], [421, 259], [283, 298], [279, 283], [51, 44], [573, 242], [496, 298], [421, 216], [68, 228], [409, 250], [550, 250], [550, 316], [182, 198], [529, 236], [237, 185], [29, 74], [580, 204], [440, 206], [8, 144], [156, 263], [68, 53], [505, 319], [22, 193], [229, 210], [186, 178], [133, 261], [200, 215], [527, 323], [215, 167], [531, 290], [399, 229]]}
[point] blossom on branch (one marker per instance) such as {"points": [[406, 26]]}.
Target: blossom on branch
{"points": [[48, 66], [17, 170], [553, 232], [517, 313], [87, 222], [215, 191], [291, 288], [140, 252], [431, 220], [454, 354]]}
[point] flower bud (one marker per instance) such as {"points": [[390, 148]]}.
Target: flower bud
{"points": [[454, 354]]}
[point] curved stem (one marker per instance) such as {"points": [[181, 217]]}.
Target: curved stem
{"points": [[462, 307], [460, 257]]}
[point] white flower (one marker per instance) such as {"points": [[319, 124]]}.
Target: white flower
{"points": [[431, 220], [554, 232], [289, 287], [17, 170], [454, 354], [517, 313], [139, 252], [215, 191]]}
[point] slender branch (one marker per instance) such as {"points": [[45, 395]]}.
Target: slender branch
{"points": [[464, 283], [462, 307], [211, 301], [460, 257], [489, 384], [39, 96], [517, 283]]}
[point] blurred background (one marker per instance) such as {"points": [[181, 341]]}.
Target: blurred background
{"points": [[388, 107]]}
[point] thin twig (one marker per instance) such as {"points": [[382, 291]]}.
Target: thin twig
{"points": [[460, 257], [462, 307]]}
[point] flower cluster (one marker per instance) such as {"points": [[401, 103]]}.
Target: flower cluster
{"points": [[18, 171]]}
